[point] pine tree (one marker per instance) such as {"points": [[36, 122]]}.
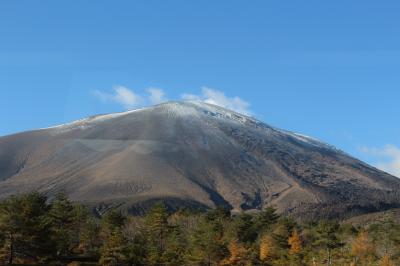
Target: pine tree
{"points": [[61, 218], [207, 246], [265, 219], [175, 245], [88, 236], [112, 252], [24, 227], [156, 222], [112, 220], [244, 228], [386, 235], [326, 238], [136, 240], [280, 233], [85, 231]]}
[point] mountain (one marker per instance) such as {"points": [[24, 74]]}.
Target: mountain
{"points": [[195, 155]]}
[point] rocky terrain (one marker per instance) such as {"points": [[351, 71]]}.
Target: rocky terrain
{"points": [[194, 155]]}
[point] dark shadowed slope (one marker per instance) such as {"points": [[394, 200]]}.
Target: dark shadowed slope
{"points": [[191, 154]]}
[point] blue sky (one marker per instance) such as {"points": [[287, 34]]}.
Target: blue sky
{"points": [[328, 69]]}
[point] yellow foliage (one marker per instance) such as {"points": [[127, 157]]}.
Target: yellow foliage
{"points": [[361, 245], [238, 254], [295, 243], [266, 247], [362, 248], [386, 261]]}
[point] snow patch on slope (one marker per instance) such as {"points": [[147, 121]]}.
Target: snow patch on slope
{"points": [[222, 113], [87, 122], [310, 140]]}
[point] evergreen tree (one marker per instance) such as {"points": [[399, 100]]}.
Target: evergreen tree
{"points": [[326, 238], [88, 236], [175, 247], [135, 237], [386, 234], [282, 231], [112, 220], [265, 219], [156, 222], [61, 217], [113, 250], [24, 227], [207, 246], [218, 215], [244, 228], [33, 232]]}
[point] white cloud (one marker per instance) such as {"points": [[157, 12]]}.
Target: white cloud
{"points": [[219, 98], [191, 97], [156, 95], [388, 158], [129, 99], [122, 95]]}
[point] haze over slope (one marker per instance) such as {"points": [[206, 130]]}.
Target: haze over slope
{"points": [[191, 154]]}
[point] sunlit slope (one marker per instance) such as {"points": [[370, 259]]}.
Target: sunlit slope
{"points": [[191, 154]]}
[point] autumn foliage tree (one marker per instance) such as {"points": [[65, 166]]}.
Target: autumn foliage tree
{"points": [[362, 248], [386, 261], [239, 254], [266, 249], [294, 242]]}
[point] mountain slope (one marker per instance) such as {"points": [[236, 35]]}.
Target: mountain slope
{"points": [[192, 154]]}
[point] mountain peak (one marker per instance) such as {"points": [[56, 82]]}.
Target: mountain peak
{"points": [[173, 108], [191, 154]]}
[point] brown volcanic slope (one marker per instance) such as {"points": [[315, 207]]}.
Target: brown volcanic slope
{"points": [[192, 154]]}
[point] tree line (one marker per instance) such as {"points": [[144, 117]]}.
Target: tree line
{"points": [[34, 231]]}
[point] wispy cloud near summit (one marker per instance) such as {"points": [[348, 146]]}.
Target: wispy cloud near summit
{"points": [[130, 99], [156, 95], [219, 98], [121, 95]]}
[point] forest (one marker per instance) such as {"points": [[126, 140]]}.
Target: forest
{"points": [[37, 231]]}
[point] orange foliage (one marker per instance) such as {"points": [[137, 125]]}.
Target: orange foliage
{"points": [[238, 254], [266, 247], [386, 261], [362, 246], [295, 243]]}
